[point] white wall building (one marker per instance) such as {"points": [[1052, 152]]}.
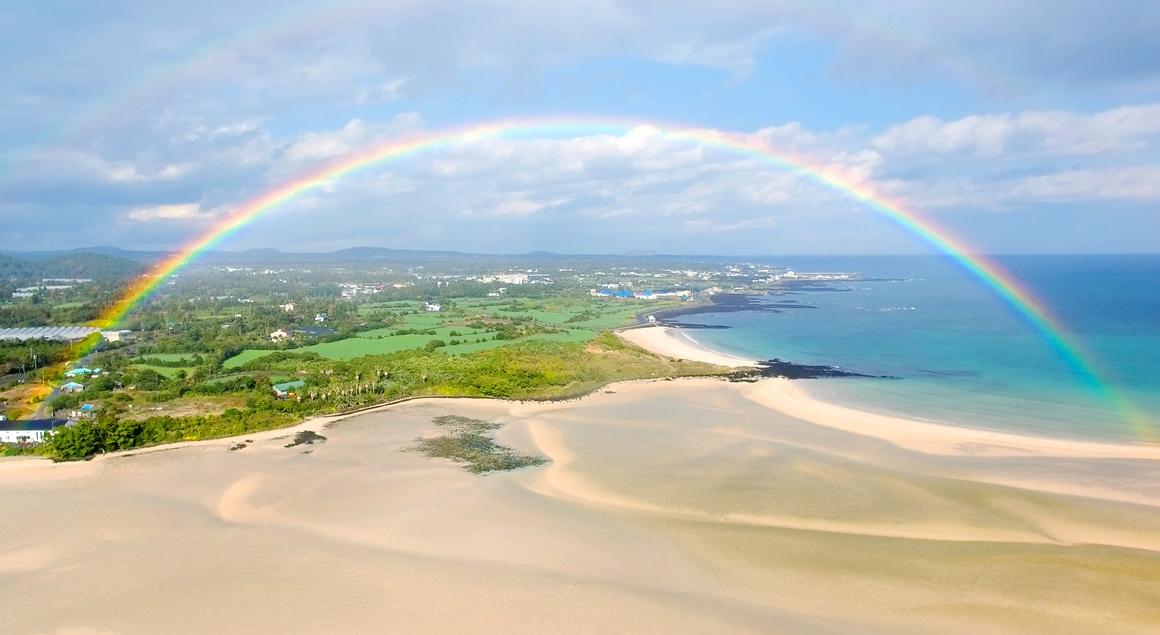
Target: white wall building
{"points": [[29, 431]]}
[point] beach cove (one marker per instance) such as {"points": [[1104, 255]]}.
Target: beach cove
{"points": [[692, 505]]}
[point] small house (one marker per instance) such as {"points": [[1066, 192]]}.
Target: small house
{"points": [[79, 372], [28, 430], [279, 335], [433, 307], [284, 390], [72, 387], [84, 412]]}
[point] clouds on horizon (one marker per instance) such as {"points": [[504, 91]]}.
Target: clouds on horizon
{"points": [[215, 115]]}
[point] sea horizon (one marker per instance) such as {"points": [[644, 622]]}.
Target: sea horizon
{"points": [[963, 356]]}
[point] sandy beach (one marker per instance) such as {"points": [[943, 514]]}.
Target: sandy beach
{"points": [[685, 506], [679, 344]]}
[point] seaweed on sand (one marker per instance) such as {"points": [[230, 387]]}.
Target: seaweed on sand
{"points": [[469, 441]]}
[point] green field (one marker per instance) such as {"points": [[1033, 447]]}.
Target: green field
{"points": [[161, 370], [360, 346], [582, 317], [171, 357], [274, 379]]}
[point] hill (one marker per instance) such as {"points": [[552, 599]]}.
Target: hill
{"points": [[68, 265]]}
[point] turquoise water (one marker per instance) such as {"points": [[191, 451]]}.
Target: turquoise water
{"points": [[964, 355]]}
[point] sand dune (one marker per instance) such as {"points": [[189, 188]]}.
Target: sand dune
{"points": [[683, 506]]}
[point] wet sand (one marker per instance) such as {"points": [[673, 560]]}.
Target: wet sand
{"points": [[684, 506]]}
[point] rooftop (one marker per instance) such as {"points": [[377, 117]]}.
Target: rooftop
{"points": [[32, 424]]}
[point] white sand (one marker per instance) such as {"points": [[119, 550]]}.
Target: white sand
{"points": [[686, 506], [679, 344], [792, 398]]}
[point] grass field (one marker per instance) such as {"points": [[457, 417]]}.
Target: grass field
{"points": [[165, 371], [186, 407], [274, 379], [583, 319], [171, 357]]}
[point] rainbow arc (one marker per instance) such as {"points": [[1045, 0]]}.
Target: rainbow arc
{"points": [[985, 270]]}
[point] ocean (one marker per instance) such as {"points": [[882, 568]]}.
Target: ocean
{"points": [[963, 355]]}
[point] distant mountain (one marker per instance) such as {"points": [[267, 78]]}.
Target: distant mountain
{"points": [[12, 268], [88, 265], [113, 252], [96, 266], [353, 255]]}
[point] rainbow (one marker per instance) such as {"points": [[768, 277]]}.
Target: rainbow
{"points": [[987, 271]]}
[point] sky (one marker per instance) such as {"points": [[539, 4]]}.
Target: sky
{"points": [[1019, 126]]}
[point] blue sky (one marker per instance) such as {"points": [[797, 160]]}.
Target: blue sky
{"points": [[1022, 126]]}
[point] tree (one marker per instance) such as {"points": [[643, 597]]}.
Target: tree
{"points": [[74, 442]]}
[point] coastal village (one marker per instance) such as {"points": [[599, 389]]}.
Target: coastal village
{"points": [[184, 342]]}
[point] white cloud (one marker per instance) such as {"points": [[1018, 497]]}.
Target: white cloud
{"points": [[177, 212], [659, 185], [356, 134], [1010, 135], [709, 225], [390, 90]]}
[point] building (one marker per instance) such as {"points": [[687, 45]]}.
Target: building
{"points": [[279, 335], [79, 372], [72, 387], [433, 307], [28, 430], [86, 411], [512, 278], [288, 307], [284, 390], [59, 333], [117, 335], [319, 318]]}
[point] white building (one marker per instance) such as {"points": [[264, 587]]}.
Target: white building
{"points": [[279, 335], [512, 278], [27, 431], [116, 336], [433, 308], [288, 307]]}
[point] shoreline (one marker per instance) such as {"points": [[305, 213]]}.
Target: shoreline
{"points": [[674, 342], [945, 438]]}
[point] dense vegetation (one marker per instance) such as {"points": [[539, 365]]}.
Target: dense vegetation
{"points": [[21, 356]]}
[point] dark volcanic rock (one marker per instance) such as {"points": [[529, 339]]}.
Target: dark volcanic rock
{"points": [[721, 303], [780, 368], [306, 437]]}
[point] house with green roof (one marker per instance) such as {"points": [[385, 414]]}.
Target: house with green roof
{"points": [[283, 390]]}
